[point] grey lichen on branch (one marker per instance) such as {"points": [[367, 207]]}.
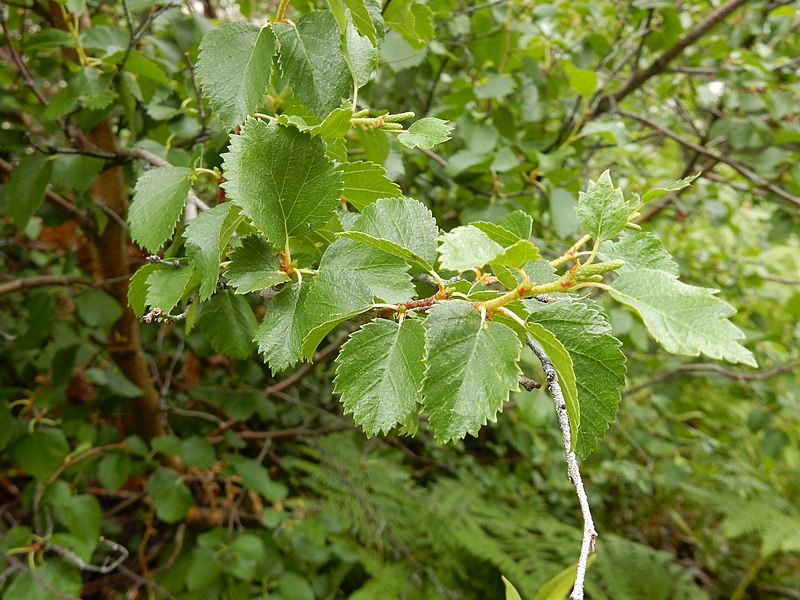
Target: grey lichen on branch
{"points": [[573, 472]]}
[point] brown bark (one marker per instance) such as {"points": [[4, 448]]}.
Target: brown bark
{"points": [[111, 263]]}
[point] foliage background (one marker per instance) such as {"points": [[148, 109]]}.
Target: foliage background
{"points": [[694, 489]]}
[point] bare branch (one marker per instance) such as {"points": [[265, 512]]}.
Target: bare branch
{"points": [[735, 165], [40, 281], [662, 62], [573, 472]]}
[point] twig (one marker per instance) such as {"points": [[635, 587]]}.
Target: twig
{"points": [[529, 384], [703, 369], [780, 279], [41, 280], [573, 472], [19, 63], [735, 165], [53, 197], [660, 64], [105, 568], [79, 457]]}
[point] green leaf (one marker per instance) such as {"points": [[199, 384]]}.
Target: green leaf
{"points": [[138, 287], [641, 250], [254, 266], [167, 287], [411, 20], [426, 133], [55, 580], [197, 452], [685, 319], [81, 516], [379, 374], [157, 205], [113, 470], [470, 368], [602, 210], [281, 179], [26, 188], [385, 274], [281, 333], [668, 186], [229, 324], [517, 255], [403, 221], [206, 239], [519, 223], [312, 61], [359, 53], [360, 15], [558, 587], [467, 247], [234, 68], [171, 498], [388, 247], [498, 233], [96, 308], [256, 477], [562, 361], [511, 591], [41, 452], [365, 182], [583, 81], [335, 296], [597, 359]]}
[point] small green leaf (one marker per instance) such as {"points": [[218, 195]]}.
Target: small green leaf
{"points": [[365, 182], [426, 133], [234, 68], [312, 61], [379, 374], [157, 205], [166, 287], [412, 20], [26, 188], [281, 179], [471, 366], [388, 247], [668, 186], [41, 452], [558, 587], [685, 319], [335, 296], [256, 477], [285, 325], [96, 308], [254, 266], [197, 452], [229, 324], [206, 239], [138, 287], [467, 247], [602, 210], [519, 223], [498, 233], [360, 15], [517, 255], [171, 498], [511, 591], [583, 81]]}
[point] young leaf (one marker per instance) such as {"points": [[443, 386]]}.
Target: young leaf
{"points": [[640, 250], [360, 55], [137, 288], [602, 210], [206, 239], [312, 61], [229, 324], [379, 374], [467, 247], [281, 179], [426, 133], [167, 287], [565, 370], [470, 368], [365, 182], [234, 67], [26, 188], [597, 359], [385, 274], [517, 255], [335, 296], [360, 15], [157, 205], [668, 186], [685, 319], [280, 335], [254, 266], [411, 20], [519, 223]]}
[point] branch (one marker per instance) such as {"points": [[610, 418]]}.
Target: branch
{"points": [[703, 369], [40, 281], [19, 63], [660, 64], [735, 165], [573, 472], [57, 199]]}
